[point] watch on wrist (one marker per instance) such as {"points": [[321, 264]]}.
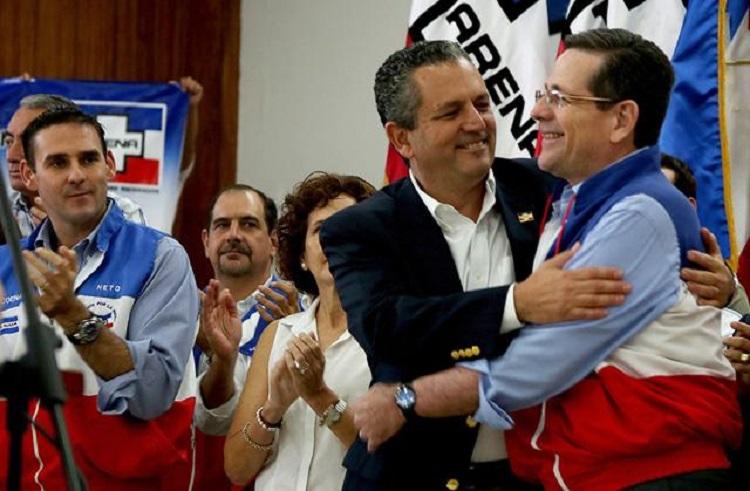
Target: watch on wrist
{"points": [[406, 399], [87, 331], [333, 414]]}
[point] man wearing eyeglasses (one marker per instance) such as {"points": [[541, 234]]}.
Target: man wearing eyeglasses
{"points": [[643, 398]]}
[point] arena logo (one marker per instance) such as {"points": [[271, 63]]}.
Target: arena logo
{"points": [[135, 135], [105, 312]]}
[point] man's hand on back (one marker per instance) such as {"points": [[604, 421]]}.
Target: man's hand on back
{"points": [[553, 294]]}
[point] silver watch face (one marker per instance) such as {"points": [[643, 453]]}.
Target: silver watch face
{"points": [[333, 415], [88, 331], [405, 397]]}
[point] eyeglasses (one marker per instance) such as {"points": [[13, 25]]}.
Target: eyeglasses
{"points": [[553, 97], [6, 139]]}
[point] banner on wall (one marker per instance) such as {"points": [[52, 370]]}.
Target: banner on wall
{"points": [[144, 126]]}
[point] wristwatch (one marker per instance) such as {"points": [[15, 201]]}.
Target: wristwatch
{"points": [[406, 399], [332, 415], [87, 331]]}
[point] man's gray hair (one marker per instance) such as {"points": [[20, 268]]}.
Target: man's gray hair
{"points": [[396, 95], [47, 102]]}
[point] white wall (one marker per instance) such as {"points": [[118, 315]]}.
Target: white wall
{"points": [[306, 101]]}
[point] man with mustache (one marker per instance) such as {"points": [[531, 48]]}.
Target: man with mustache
{"points": [[122, 298], [238, 241]]}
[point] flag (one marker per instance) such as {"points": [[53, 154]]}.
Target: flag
{"points": [[737, 123], [657, 20], [708, 114]]}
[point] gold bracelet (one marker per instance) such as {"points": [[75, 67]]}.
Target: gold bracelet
{"points": [[253, 443]]}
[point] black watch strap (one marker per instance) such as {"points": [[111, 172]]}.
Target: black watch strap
{"points": [[406, 400]]}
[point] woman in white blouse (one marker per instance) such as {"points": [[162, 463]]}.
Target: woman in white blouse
{"points": [[292, 426]]}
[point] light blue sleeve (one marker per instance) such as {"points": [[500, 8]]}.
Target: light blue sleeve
{"points": [[637, 236], [161, 332]]}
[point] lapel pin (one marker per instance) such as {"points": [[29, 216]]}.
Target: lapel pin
{"points": [[525, 216]]}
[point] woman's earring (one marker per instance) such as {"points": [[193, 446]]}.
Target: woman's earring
{"points": [[303, 265]]}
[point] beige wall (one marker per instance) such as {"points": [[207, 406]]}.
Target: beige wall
{"points": [[306, 102]]}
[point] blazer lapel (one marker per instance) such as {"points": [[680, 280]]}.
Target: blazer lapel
{"points": [[521, 226], [423, 244]]}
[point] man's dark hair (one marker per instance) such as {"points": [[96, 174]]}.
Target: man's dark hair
{"points": [[683, 176], [633, 69], [396, 95], [55, 117], [270, 211]]}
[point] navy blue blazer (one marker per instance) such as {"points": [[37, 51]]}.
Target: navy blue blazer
{"points": [[406, 306]]}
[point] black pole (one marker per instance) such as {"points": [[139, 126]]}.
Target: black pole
{"points": [[36, 373]]}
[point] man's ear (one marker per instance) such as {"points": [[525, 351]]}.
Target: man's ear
{"points": [[625, 117], [399, 138], [204, 238], [274, 237], [109, 160], [28, 176]]}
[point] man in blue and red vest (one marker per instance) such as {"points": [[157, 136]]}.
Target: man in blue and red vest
{"points": [[123, 299]]}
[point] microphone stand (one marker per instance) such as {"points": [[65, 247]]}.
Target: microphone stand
{"points": [[36, 373]]}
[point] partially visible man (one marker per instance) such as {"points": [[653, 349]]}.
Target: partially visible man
{"points": [[714, 272], [239, 242], [643, 398], [123, 299]]}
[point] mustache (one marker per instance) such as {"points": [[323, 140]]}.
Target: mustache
{"points": [[235, 246]]}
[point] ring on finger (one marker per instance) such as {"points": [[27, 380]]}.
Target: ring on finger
{"points": [[301, 366], [745, 357]]}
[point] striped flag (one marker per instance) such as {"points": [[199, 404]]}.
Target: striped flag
{"points": [[737, 127], [707, 119]]}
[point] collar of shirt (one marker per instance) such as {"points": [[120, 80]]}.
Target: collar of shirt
{"points": [[306, 323], [93, 242], [578, 186], [446, 216], [18, 202]]}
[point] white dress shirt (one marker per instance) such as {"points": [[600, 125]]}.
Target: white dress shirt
{"points": [[483, 258]]}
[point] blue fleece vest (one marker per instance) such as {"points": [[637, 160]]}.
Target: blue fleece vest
{"points": [[639, 173], [128, 260]]}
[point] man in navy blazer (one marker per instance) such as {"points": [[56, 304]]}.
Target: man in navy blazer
{"points": [[434, 269]]}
